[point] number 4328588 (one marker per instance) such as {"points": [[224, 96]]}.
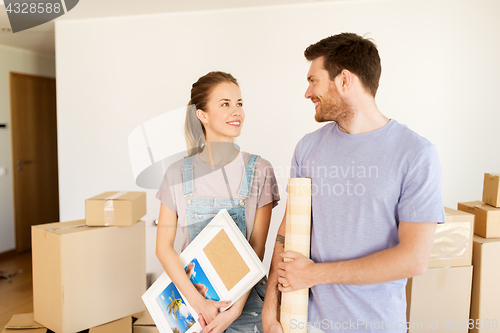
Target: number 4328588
{"points": [[33, 8]]}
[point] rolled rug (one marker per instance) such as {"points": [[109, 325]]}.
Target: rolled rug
{"points": [[294, 305]]}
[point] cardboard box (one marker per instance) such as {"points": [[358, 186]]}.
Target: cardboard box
{"points": [[453, 240], [491, 189], [87, 276], [470, 206], [485, 303], [115, 208], [439, 300], [121, 325], [25, 323], [145, 324], [487, 221]]}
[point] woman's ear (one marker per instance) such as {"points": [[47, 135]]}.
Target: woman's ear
{"points": [[202, 115]]}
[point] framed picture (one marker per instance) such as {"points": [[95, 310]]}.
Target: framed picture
{"points": [[219, 262]]}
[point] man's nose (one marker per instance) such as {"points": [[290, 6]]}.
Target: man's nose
{"points": [[308, 93]]}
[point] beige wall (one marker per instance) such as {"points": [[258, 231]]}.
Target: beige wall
{"points": [[440, 77]]}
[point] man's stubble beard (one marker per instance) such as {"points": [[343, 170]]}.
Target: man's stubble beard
{"points": [[334, 108]]}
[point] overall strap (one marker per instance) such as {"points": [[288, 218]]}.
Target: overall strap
{"points": [[188, 175], [247, 180]]}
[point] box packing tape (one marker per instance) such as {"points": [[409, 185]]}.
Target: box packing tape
{"points": [[294, 305], [109, 210], [68, 227], [452, 241]]}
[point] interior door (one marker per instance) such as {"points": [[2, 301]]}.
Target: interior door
{"points": [[34, 154]]}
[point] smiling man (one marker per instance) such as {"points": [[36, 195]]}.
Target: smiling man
{"points": [[376, 189]]}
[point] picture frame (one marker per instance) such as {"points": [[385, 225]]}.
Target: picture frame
{"points": [[219, 262]]}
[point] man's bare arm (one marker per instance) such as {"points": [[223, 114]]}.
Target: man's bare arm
{"points": [[272, 300], [409, 258]]}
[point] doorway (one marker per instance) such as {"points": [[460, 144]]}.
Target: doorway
{"points": [[34, 154]]}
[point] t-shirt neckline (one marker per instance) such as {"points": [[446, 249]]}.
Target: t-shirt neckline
{"points": [[238, 158], [363, 135]]}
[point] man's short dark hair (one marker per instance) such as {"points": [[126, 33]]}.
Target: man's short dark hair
{"points": [[352, 52]]}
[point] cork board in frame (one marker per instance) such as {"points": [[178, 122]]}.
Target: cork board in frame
{"points": [[226, 260]]}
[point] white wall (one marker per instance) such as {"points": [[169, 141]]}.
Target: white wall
{"points": [[20, 61], [440, 76]]}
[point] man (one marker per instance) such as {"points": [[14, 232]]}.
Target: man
{"points": [[376, 199]]}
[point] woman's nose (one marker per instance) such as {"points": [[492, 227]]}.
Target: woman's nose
{"points": [[236, 111]]}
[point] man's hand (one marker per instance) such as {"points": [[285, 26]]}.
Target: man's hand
{"points": [[296, 274]]}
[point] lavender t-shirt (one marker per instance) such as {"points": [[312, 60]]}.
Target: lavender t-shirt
{"points": [[363, 185], [209, 182]]}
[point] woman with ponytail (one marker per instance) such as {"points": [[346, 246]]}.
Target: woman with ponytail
{"points": [[216, 175]]}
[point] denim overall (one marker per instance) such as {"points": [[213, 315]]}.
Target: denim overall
{"points": [[200, 211]]}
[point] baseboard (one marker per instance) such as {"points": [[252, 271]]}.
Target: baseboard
{"points": [[8, 254]]}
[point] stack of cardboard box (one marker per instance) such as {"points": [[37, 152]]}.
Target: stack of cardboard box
{"points": [[487, 211], [439, 299], [485, 303], [89, 274]]}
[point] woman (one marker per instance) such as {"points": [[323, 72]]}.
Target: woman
{"points": [[243, 184]]}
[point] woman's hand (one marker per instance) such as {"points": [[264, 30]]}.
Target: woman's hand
{"points": [[209, 308], [221, 322], [224, 319]]}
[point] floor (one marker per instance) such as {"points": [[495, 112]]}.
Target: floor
{"points": [[15, 296]]}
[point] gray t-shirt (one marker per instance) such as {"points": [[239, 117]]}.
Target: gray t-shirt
{"points": [[363, 185], [209, 182]]}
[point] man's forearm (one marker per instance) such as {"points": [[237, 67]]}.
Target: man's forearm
{"points": [[379, 267], [272, 300], [407, 259]]}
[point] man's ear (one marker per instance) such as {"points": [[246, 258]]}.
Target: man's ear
{"points": [[202, 115], [346, 80]]}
